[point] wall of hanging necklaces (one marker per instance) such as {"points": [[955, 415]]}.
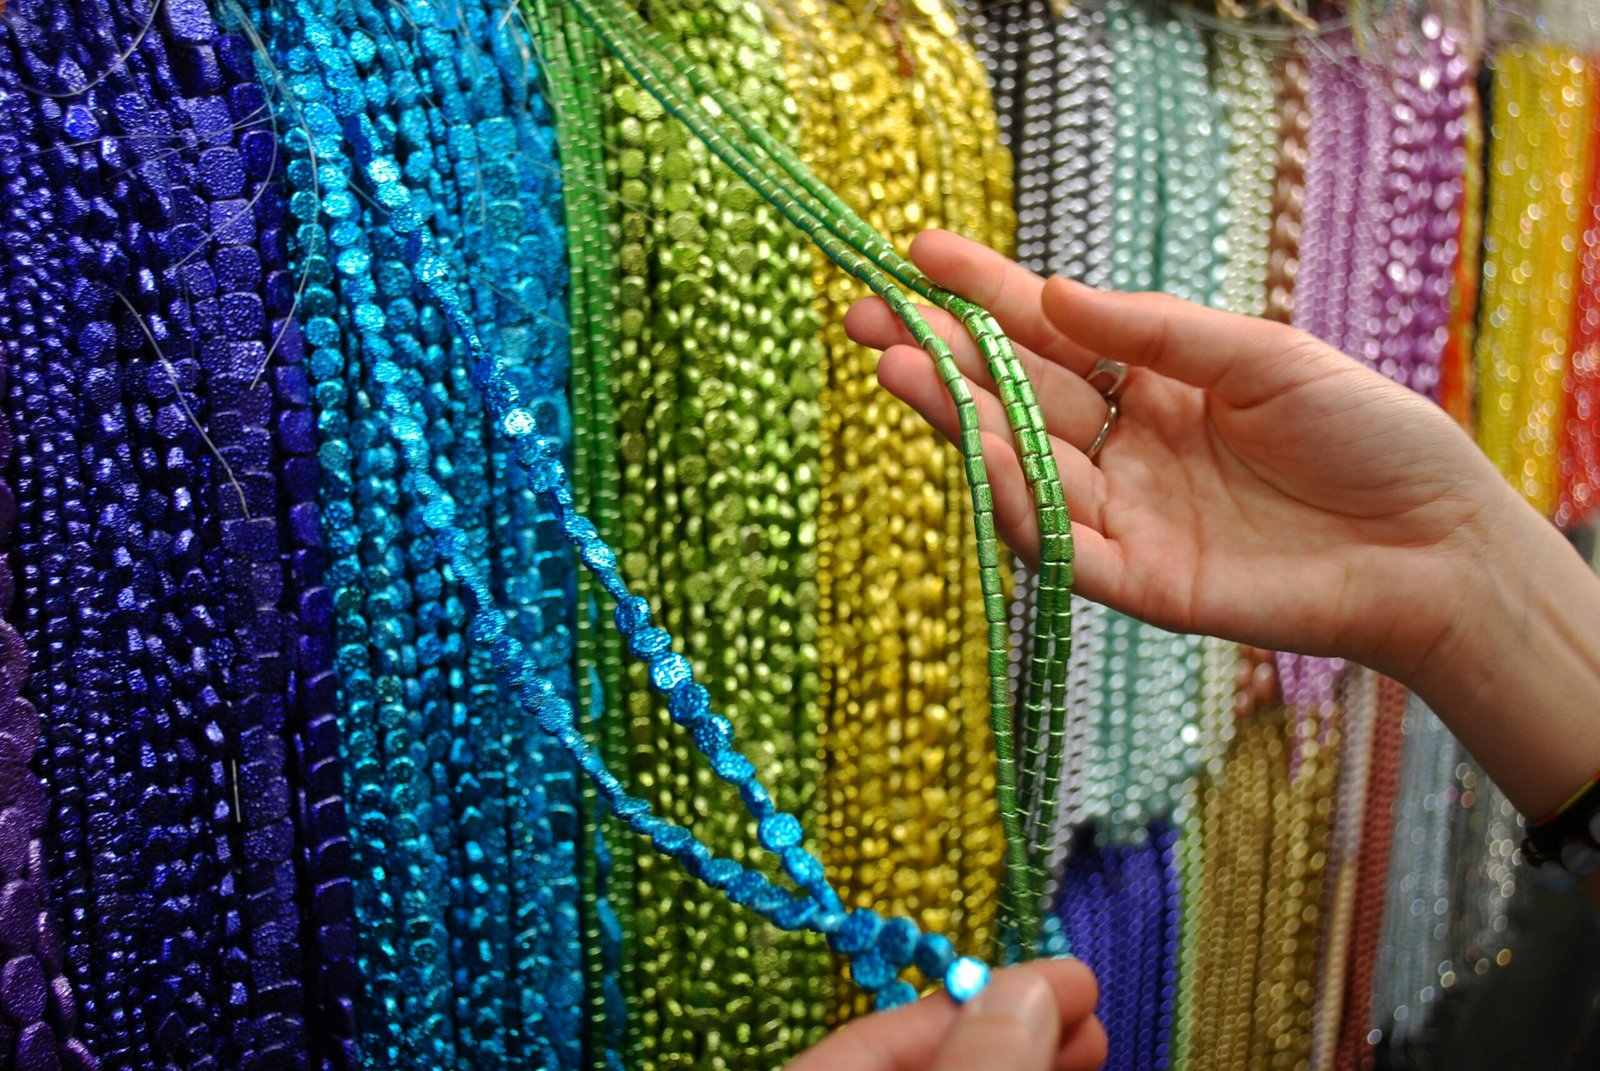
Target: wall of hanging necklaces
{"points": [[358, 356]]}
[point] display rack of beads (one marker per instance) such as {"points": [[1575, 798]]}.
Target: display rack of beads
{"points": [[1052, 73], [35, 994], [465, 820], [1579, 457], [1169, 211], [880, 950], [908, 778], [179, 679], [573, 74], [1541, 111], [715, 386]]}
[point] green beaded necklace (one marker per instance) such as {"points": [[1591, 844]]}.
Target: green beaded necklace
{"points": [[571, 61]]}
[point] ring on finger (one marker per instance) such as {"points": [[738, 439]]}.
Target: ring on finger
{"points": [[1105, 429]]}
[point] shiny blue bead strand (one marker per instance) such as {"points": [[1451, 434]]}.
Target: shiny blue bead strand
{"points": [[509, 206], [50, 553], [356, 509], [136, 798], [855, 934], [480, 888], [424, 707]]}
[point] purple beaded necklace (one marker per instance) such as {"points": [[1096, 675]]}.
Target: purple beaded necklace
{"points": [[1383, 194]]}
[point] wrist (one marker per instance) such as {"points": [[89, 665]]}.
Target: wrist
{"points": [[1516, 674]]}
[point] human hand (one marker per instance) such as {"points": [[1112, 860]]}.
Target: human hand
{"points": [[1037, 1017], [1259, 485]]}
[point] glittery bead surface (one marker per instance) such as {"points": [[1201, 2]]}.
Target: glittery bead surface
{"points": [[714, 385]]}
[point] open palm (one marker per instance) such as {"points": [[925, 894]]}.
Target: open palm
{"points": [[1259, 485]]}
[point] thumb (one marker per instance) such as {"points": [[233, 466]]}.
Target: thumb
{"points": [[1014, 1024], [1243, 360]]}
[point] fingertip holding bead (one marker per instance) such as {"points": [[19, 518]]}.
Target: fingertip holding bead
{"points": [[965, 979]]}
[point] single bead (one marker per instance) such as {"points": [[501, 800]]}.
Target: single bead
{"points": [[897, 942], [934, 955], [966, 978], [860, 929], [893, 995], [871, 971]]}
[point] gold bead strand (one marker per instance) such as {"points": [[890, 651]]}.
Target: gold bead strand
{"points": [[907, 787]]}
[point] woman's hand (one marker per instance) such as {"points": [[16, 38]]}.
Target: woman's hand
{"points": [[1036, 1017], [1259, 485]]}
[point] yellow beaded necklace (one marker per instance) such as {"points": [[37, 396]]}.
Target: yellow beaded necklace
{"points": [[1540, 123], [907, 787]]}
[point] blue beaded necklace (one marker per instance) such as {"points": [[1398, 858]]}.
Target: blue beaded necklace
{"points": [[466, 815], [180, 824], [879, 950]]}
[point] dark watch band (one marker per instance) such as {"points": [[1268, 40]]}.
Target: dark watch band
{"points": [[1570, 835]]}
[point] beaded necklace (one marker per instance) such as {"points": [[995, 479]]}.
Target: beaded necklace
{"points": [[713, 355], [894, 677], [879, 950], [1291, 88], [197, 680], [1579, 458], [467, 863], [1053, 69], [1540, 111], [1355, 1046]]}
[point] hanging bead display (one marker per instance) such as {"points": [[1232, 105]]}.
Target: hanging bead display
{"points": [[714, 386], [320, 749], [900, 704]]}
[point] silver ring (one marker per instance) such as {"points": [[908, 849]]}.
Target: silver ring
{"points": [[1115, 371], [1105, 429]]}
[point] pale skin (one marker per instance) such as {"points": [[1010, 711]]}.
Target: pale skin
{"points": [[1262, 487]]}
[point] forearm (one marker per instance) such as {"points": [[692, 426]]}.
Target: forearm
{"points": [[1519, 682]]}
